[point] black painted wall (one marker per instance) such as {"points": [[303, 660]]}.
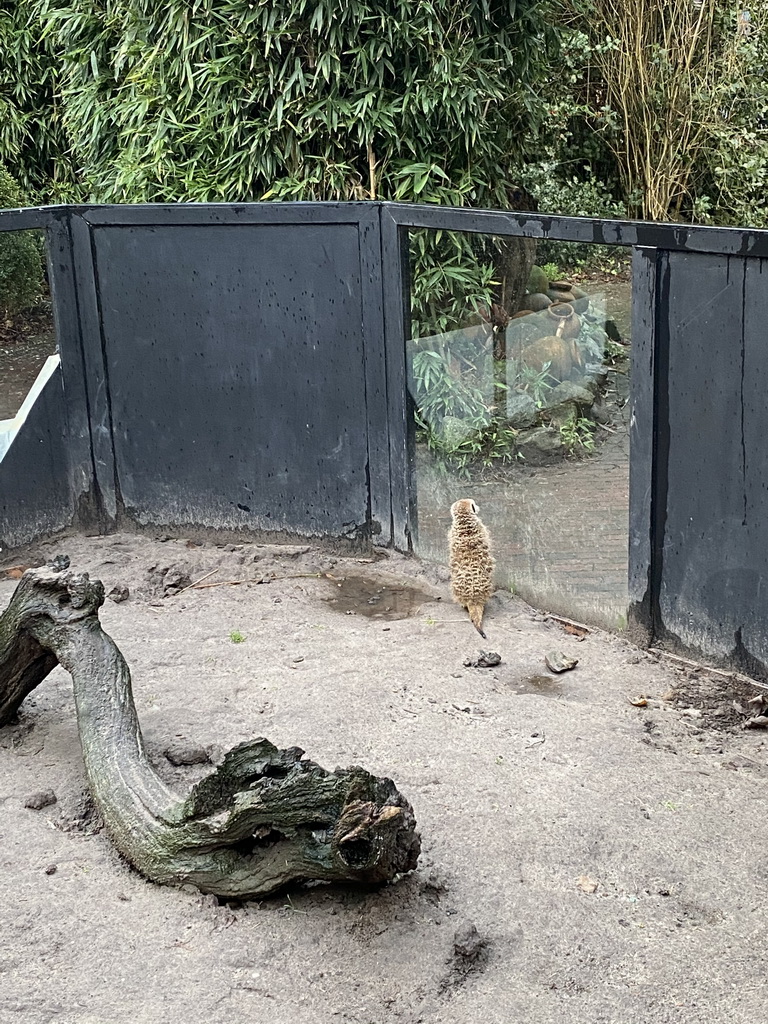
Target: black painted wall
{"points": [[35, 497], [235, 367], [712, 527], [242, 368]]}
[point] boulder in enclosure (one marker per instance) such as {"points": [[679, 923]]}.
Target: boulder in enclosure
{"points": [[537, 301], [541, 446], [537, 280], [521, 410], [569, 391]]}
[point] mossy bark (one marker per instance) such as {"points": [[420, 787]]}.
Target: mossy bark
{"points": [[263, 819]]}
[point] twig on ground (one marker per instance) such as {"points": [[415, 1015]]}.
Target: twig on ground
{"points": [[191, 585], [259, 579]]}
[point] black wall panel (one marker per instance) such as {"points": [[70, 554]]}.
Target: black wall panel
{"points": [[35, 497], [712, 523], [234, 357]]}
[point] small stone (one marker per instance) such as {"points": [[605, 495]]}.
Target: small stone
{"points": [[51, 869], [524, 332], [557, 661], [59, 563], [183, 752], [537, 301], [467, 942], [485, 659], [175, 579], [119, 593], [37, 801], [563, 413], [560, 295], [587, 383], [596, 372]]}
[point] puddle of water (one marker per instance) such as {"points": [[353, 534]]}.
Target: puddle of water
{"points": [[362, 595], [547, 686]]}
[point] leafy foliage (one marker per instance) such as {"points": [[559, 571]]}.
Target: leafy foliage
{"points": [[728, 183], [21, 266], [32, 143], [440, 393], [676, 93], [536, 383], [578, 435], [448, 280], [304, 99], [563, 191]]}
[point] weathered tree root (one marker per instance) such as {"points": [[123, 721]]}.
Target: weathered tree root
{"points": [[263, 819]]}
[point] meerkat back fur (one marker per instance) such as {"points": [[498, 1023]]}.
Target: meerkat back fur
{"points": [[471, 560]]}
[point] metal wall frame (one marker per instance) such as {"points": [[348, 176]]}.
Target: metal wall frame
{"points": [[90, 468]]}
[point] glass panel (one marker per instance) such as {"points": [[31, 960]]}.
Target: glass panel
{"points": [[27, 335], [519, 373]]}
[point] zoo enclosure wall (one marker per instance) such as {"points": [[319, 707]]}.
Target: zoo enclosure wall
{"points": [[241, 369]]}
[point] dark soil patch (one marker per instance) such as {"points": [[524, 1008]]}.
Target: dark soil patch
{"points": [[361, 595], [723, 702]]}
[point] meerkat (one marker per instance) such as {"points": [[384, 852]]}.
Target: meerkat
{"points": [[471, 561]]}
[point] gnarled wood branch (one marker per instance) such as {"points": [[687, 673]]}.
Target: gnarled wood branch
{"points": [[263, 819]]}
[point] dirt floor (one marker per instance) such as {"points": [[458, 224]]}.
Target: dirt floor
{"points": [[611, 856], [25, 344]]}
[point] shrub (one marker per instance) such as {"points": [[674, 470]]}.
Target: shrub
{"points": [[296, 99], [570, 197], [21, 265], [32, 143]]}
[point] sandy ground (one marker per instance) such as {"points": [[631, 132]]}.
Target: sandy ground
{"points": [[612, 857]]}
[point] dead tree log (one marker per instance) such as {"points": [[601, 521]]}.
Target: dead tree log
{"points": [[263, 819]]}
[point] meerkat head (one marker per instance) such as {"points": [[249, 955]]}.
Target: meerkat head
{"points": [[464, 505]]}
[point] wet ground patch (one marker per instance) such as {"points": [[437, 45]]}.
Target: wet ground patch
{"points": [[364, 595]]}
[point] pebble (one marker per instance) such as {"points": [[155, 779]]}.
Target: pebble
{"points": [[467, 942], [184, 752], [37, 801]]}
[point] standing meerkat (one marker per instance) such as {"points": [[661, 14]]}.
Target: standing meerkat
{"points": [[471, 561]]}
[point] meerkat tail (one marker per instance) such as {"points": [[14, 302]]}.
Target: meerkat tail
{"points": [[475, 610]]}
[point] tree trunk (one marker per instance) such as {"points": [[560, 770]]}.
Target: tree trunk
{"points": [[264, 818]]}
